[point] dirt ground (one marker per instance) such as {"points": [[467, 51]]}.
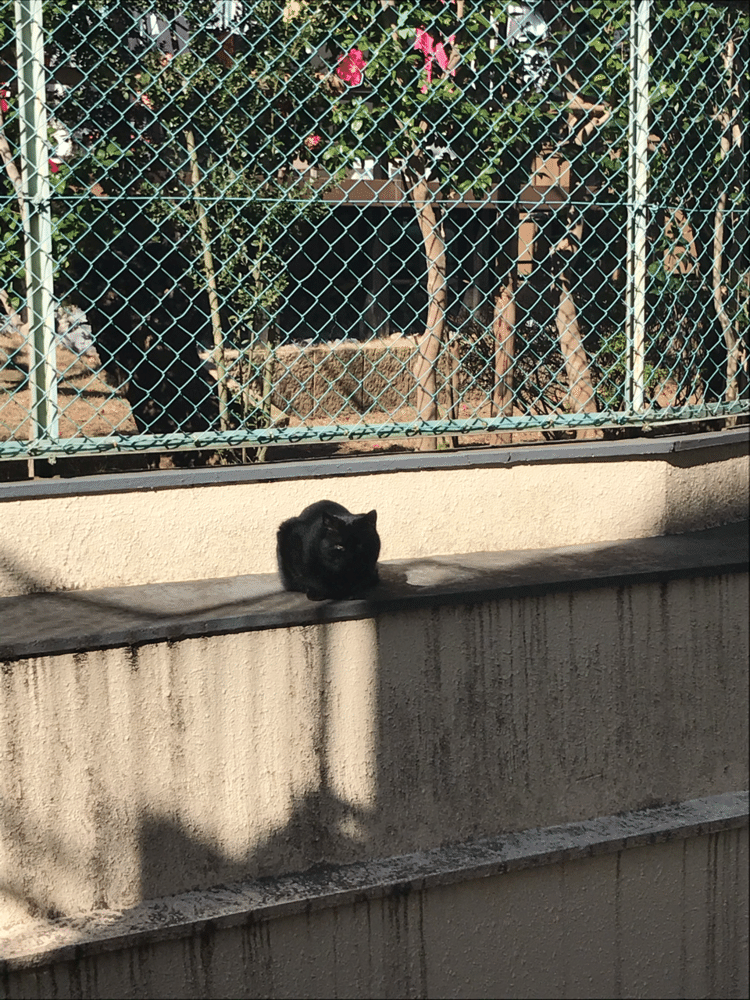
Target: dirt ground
{"points": [[335, 377], [90, 406]]}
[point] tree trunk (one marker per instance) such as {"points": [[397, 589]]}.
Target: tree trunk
{"points": [[731, 133], [213, 295], [431, 341], [581, 396], [731, 339], [10, 168], [730, 336], [6, 157], [504, 332]]}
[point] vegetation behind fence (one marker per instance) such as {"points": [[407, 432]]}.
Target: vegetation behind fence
{"points": [[243, 224]]}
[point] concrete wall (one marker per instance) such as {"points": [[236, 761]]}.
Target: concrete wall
{"points": [[139, 772], [136, 778], [665, 920], [203, 524]]}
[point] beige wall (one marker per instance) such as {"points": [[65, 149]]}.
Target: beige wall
{"points": [[129, 774], [668, 920], [83, 542], [132, 774]]}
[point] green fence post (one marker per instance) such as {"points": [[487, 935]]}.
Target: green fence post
{"points": [[37, 220], [637, 201]]}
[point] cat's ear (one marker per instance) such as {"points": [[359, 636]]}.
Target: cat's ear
{"points": [[371, 517]]}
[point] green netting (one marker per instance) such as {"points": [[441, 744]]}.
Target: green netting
{"points": [[238, 224]]}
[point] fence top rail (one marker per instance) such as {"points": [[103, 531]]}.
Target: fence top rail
{"points": [[651, 448]]}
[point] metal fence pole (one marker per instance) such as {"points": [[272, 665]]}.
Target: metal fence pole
{"points": [[37, 218], [637, 201]]}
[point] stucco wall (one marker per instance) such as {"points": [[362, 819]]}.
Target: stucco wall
{"points": [[134, 773], [138, 772], [154, 533]]}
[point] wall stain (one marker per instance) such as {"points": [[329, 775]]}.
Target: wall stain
{"points": [[712, 898], [132, 655], [257, 955], [617, 971]]}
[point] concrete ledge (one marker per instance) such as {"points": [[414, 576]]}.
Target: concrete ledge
{"points": [[73, 938], [76, 621]]}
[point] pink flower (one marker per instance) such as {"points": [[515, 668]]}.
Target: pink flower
{"points": [[432, 50], [423, 42], [4, 92], [350, 67], [312, 141]]}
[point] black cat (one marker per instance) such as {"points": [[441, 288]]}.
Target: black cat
{"points": [[328, 552]]}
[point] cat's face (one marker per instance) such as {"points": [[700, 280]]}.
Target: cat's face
{"points": [[349, 539]]}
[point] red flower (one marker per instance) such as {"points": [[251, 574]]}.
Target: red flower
{"points": [[4, 92], [432, 50], [350, 67]]}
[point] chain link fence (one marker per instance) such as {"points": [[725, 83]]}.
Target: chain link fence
{"points": [[234, 225]]}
